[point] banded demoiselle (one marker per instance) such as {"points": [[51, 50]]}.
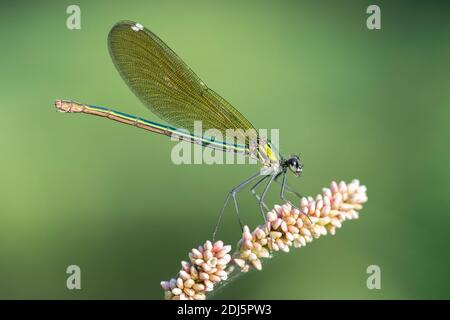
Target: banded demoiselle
{"points": [[172, 91]]}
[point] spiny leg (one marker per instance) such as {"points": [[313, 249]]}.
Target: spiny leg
{"points": [[285, 186], [263, 195], [253, 191], [232, 194]]}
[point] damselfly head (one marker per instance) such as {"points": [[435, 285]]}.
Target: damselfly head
{"points": [[295, 165]]}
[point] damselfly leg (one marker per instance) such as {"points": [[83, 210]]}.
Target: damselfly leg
{"points": [[232, 194], [257, 196], [263, 195], [287, 188], [262, 205]]}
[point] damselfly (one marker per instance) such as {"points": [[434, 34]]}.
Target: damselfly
{"points": [[172, 91]]}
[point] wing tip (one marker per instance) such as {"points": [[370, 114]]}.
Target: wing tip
{"points": [[134, 25]]}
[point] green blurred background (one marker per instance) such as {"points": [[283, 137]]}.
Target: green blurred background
{"points": [[373, 105]]}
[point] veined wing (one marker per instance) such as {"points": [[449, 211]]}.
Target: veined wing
{"points": [[166, 85]]}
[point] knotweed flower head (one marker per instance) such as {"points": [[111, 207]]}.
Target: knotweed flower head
{"points": [[288, 226], [211, 265], [206, 268]]}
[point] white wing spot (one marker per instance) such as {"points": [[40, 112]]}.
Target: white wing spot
{"points": [[137, 27]]}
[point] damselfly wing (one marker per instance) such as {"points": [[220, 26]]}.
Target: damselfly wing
{"points": [[165, 84]]}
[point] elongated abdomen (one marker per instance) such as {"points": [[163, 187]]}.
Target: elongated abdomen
{"points": [[180, 134]]}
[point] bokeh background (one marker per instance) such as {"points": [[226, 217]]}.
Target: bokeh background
{"points": [[373, 105]]}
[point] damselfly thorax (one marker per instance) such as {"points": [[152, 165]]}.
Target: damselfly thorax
{"points": [[172, 91]]}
